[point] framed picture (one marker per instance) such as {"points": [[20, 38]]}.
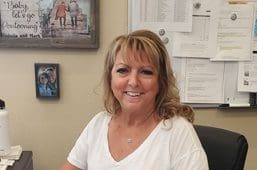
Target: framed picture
{"points": [[49, 23], [47, 80]]}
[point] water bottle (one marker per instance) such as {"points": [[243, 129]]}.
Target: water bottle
{"points": [[5, 147]]}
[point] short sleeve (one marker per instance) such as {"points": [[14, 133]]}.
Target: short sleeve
{"points": [[78, 154], [195, 160], [186, 150]]}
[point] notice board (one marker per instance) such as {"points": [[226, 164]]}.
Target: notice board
{"points": [[212, 46]]}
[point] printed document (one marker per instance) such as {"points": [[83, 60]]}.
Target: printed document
{"points": [[197, 43], [171, 15], [203, 81], [204, 7], [247, 75], [232, 95], [232, 25]]}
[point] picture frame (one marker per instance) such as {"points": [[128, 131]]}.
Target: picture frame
{"points": [[49, 24], [47, 80]]}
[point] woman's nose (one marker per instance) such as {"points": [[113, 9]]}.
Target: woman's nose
{"points": [[133, 80]]}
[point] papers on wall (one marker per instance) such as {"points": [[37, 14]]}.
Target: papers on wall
{"points": [[247, 75], [172, 15], [204, 7], [213, 62], [232, 24], [203, 81], [197, 43], [232, 96]]}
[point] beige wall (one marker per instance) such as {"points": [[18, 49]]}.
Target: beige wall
{"points": [[49, 128]]}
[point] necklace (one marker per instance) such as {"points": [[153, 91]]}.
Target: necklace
{"points": [[129, 139]]}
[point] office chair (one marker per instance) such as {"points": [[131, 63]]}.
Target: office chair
{"points": [[226, 150]]}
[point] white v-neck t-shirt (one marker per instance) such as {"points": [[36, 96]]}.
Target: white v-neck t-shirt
{"points": [[172, 145]]}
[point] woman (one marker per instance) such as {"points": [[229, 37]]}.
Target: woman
{"points": [[145, 126]]}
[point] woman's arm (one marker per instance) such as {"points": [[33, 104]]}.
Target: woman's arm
{"points": [[68, 166]]}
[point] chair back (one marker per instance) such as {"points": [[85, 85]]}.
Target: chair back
{"points": [[226, 150]]}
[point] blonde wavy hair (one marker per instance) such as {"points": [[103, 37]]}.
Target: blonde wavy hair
{"points": [[146, 42]]}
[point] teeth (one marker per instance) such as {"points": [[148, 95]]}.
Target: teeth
{"points": [[133, 94]]}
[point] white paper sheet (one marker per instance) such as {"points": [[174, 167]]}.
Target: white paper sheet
{"points": [[232, 95], [172, 15], [205, 7], [232, 25], [203, 81], [197, 43], [247, 75]]}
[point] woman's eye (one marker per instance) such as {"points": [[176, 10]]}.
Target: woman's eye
{"points": [[147, 72], [122, 70]]}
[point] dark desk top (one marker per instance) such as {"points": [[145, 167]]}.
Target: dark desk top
{"points": [[24, 163]]}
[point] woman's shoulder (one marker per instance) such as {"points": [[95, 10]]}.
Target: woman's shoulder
{"points": [[179, 126], [181, 121], [176, 122], [99, 119], [180, 129], [185, 129]]}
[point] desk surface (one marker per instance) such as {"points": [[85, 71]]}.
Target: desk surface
{"points": [[24, 163]]}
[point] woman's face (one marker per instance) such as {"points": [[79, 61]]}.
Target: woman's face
{"points": [[134, 83], [52, 76]]}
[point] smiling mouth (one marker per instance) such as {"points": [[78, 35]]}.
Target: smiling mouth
{"points": [[133, 94]]}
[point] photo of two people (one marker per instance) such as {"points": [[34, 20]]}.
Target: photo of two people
{"points": [[47, 80], [65, 18]]}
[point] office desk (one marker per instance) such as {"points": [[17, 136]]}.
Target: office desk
{"points": [[24, 163]]}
